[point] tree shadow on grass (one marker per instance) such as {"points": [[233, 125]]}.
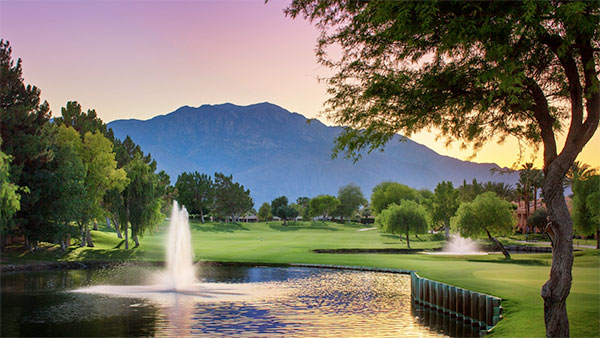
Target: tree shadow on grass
{"points": [[103, 254], [219, 227], [288, 227], [295, 226]]}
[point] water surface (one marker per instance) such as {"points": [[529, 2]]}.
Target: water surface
{"points": [[308, 303]]}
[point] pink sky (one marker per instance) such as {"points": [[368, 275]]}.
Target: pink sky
{"points": [[139, 59]]}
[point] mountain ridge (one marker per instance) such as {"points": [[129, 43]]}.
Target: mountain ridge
{"points": [[275, 152]]}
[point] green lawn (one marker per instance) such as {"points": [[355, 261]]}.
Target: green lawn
{"points": [[517, 281]]}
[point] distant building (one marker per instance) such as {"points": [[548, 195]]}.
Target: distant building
{"points": [[521, 214], [249, 219]]}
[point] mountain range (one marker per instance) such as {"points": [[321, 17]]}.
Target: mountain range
{"points": [[274, 152]]}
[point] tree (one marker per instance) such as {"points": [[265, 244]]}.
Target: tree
{"points": [[388, 193], [407, 218], [71, 201], [102, 175], [586, 206], [501, 189], [142, 202], [281, 209], [538, 219], [73, 116], [10, 199], [22, 123], [488, 214], [196, 192], [231, 198], [323, 205], [304, 207], [475, 71], [578, 171], [351, 198], [445, 204], [264, 212], [468, 192]]}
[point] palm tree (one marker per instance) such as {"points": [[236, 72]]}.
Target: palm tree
{"points": [[578, 171]]}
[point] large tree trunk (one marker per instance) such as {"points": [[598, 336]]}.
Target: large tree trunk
{"points": [[598, 239], [407, 240], [107, 222], [202, 216], [556, 290], [447, 228], [498, 245]]}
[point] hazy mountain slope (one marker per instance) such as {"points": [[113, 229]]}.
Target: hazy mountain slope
{"points": [[274, 152]]}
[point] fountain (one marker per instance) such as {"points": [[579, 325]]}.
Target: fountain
{"points": [[181, 273], [178, 281], [458, 245]]}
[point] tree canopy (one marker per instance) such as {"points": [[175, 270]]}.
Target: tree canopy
{"points": [[407, 218], [323, 205], [586, 206], [388, 193], [445, 203], [196, 192], [488, 215], [351, 198], [475, 71]]}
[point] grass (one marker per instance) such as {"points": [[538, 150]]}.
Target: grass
{"points": [[518, 281]]}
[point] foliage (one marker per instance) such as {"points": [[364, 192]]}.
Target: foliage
{"points": [[303, 208], [22, 123], [142, 202], [281, 209], [231, 198], [475, 71], [323, 205], [538, 219], [445, 203], [278, 202], [407, 218], [351, 198], [10, 199], [264, 212], [586, 205], [487, 215], [578, 171], [196, 192], [74, 117], [387, 193]]}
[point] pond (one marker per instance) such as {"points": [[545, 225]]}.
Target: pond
{"points": [[239, 301]]}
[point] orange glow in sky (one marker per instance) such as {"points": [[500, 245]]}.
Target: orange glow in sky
{"points": [[139, 59]]}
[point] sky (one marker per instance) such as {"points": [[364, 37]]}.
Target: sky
{"points": [[139, 59]]}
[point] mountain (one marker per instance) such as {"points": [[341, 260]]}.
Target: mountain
{"points": [[274, 152]]}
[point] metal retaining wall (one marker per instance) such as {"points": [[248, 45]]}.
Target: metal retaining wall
{"points": [[479, 309]]}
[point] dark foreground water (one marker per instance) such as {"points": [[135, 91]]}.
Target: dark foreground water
{"points": [[298, 302]]}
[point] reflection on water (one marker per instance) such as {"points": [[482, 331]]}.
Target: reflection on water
{"points": [[309, 303]]}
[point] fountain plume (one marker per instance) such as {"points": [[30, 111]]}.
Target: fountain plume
{"points": [[181, 272], [458, 245]]}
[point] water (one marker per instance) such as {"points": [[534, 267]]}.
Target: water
{"points": [[309, 303], [458, 245], [130, 300]]}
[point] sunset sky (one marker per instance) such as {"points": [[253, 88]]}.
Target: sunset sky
{"points": [[139, 59]]}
